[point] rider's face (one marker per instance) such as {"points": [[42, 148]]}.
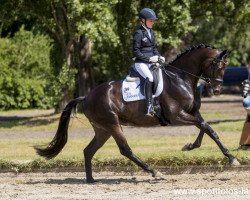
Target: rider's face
{"points": [[149, 23]]}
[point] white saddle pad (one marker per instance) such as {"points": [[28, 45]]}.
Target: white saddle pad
{"points": [[131, 90]]}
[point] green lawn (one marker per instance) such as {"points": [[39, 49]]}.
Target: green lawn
{"points": [[146, 147], [156, 150], [159, 151]]}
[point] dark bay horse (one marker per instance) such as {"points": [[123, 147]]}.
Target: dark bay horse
{"points": [[180, 102]]}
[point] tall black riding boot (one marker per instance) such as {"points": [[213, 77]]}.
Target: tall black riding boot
{"points": [[149, 99]]}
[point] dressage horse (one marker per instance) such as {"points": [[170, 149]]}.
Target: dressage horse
{"points": [[180, 103]]}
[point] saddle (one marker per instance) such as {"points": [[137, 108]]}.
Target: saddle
{"points": [[135, 76]]}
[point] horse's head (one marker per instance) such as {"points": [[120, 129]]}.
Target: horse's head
{"points": [[214, 71]]}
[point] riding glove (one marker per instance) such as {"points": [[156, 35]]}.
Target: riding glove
{"points": [[162, 59], [154, 59]]}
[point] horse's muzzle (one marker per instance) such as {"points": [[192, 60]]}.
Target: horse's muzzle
{"points": [[217, 90]]}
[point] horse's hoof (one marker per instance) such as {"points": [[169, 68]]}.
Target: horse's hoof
{"points": [[91, 180], [235, 162], [157, 174], [187, 147]]}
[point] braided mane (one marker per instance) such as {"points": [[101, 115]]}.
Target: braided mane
{"points": [[191, 49]]}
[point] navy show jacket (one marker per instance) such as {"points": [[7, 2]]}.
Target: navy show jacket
{"points": [[143, 46]]}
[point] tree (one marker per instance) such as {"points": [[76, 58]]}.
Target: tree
{"points": [[174, 22], [74, 26], [225, 24], [94, 37]]}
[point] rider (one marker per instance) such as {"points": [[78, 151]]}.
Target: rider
{"points": [[145, 52]]}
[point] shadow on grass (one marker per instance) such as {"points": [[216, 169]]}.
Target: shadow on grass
{"points": [[11, 121], [222, 101], [224, 120], [15, 121]]}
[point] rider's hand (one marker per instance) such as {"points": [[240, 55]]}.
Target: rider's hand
{"points": [[154, 59], [162, 59], [157, 65]]}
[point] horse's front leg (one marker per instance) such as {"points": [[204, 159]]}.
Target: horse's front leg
{"points": [[185, 118], [206, 128]]}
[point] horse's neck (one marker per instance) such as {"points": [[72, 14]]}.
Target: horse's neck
{"points": [[193, 66]]}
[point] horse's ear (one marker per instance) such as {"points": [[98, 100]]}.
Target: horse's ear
{"points": [[223, 54]]}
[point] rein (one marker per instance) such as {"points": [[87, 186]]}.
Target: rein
{"points": [[207, 80]]}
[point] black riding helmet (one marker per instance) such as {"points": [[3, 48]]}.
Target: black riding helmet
{"points": [[147, 13]]}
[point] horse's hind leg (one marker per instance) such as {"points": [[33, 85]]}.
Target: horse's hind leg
{"points": [[97, 142], [125, 150], [196, 144]]}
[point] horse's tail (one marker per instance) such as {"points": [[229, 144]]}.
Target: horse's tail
{"points": [[61, 137]]}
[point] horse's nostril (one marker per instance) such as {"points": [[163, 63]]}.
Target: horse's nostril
{"points": [[216, 92]]}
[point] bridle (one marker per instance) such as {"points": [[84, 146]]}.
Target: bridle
{"points": [[215, 61]]}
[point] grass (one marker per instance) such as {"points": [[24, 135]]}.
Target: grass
{"points": [[23, 112], [215, 115], [155, 150], [229, 126]]}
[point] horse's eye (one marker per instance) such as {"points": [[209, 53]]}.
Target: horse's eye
{"points": [[220, 66]]}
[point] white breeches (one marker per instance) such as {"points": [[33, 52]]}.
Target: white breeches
{"points": [[143, 69]]}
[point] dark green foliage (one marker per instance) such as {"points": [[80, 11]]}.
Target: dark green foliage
{"points": [[25, 71], [39, 72]]}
